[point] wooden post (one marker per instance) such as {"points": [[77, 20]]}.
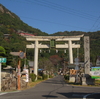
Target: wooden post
{"points": [[18, 81]]}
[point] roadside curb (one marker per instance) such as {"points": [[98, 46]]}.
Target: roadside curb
{"points": [[2, 93]]}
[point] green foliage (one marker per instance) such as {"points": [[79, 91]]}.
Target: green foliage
{"points": [[46, 64], [40, 77], [32, 76], [44, 76], [2, 54], [2, 51], [50, 76], [66, 77]]}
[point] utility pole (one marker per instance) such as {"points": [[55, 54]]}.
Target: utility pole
{"points": [[21, 55]]}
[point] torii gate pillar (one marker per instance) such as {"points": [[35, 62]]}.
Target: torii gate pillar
{"points": [[70, 52], [36, 58]]}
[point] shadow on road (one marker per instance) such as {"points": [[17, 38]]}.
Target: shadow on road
{"points": [[50, 96], [75, 95]]}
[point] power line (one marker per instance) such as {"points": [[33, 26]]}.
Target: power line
{"points": [[52, 22], [66, 8], [63, 9], [95, 27]]}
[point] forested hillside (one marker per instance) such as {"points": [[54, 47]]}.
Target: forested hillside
{"points": [[10, 40], [10, 24]]}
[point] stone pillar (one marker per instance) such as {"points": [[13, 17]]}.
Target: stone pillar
{"points": [[70, 52], [87, 55], [84, 81], [36, 58]]}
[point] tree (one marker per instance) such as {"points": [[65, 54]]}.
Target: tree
{"points": [[55, 59], [2, 54], [46, 64], [2, 51]]}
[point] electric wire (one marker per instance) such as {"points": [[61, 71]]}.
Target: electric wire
{"points": [[52, 22], [64, 9], [61, 8], [95, 25]]}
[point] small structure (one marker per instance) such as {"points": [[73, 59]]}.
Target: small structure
{"points": [[31, 66], [7, 72]]}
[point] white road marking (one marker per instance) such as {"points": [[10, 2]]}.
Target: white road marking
{"points": [[2, 93], [88, 95]]}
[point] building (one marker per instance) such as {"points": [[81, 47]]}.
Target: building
{"points": [[25, 34]]}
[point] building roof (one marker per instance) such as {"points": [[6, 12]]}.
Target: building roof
{"points": [[25, 34], [8, 67]]}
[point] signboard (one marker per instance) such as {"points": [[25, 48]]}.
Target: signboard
{"points": [[27, 75], [95, 72], [76, 61], [3, 60], [72, 72], [21, 54]]}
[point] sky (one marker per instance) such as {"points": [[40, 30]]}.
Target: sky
{"points": [[53, 16]]}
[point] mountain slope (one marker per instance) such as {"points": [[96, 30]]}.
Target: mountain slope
{"points": [[13, 23]]}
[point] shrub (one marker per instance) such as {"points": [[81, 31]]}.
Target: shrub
{"points": [[44, 76], [50, 76], [33, 77], [40, 77], [66, 77]]}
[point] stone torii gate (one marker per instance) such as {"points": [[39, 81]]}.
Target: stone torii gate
{"points": [[36, 45]]}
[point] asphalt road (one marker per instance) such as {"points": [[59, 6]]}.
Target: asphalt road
{"points": [[55, 88]]}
